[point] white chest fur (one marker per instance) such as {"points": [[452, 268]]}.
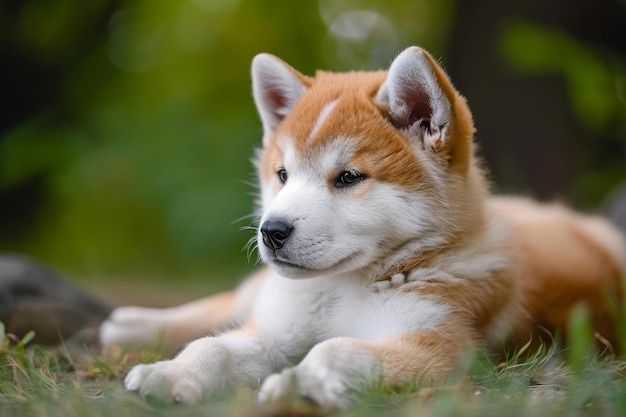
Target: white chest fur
{"points": [[299, 313]]}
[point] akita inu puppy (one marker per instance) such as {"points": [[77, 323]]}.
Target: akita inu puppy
{"points": [[386, 257]]}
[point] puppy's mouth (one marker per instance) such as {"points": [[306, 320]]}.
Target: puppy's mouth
{"points": [[299, 268], [287, 264]]}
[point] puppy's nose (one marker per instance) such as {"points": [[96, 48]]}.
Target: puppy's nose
{"points": [[275, 233]]}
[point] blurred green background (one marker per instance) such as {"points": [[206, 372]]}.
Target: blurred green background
{"points": [[127, 127]]}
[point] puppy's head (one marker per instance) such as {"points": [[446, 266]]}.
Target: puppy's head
{"points": [[359, 168]]}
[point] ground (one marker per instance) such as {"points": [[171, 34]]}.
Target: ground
{"points": [[68, 382], [75, 381]]}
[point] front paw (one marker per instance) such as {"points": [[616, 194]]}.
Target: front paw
{"points": [[166, 381], [133, 325], [321, 386]]}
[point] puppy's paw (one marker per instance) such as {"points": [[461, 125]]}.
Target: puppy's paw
{"points": [[320, 386], [132, 325], [278, 387], [167, 381]]}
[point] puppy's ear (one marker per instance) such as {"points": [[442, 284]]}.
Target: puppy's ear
{"points": [[419, 99], [276, 87]]}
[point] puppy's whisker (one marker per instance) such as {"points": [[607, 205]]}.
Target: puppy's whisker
{"points": [[250, 247], [245, 217]]}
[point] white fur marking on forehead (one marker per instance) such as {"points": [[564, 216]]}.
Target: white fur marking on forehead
{"points": [[336, 154], [321, 118], [328, 156], [285, 144]]}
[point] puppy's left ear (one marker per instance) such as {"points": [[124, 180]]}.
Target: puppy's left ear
{"points": [[276, 87], [421, 101]]}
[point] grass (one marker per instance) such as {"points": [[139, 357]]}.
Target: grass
{"points": [[56, 382]]}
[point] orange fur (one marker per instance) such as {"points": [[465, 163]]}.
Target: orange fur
{"points": [[564, 261]]}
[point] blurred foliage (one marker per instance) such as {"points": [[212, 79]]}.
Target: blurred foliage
{"points": [[595, 78], [126, 146]]}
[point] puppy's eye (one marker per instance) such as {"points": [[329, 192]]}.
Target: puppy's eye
{"points": [[282, 175], [349, 178]]}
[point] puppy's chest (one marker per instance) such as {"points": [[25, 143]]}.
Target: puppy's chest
{"points": [[316, 310]]}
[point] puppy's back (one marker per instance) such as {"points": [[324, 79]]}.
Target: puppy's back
{"points": [[565, 260]]}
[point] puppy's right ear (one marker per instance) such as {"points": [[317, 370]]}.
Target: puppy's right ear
{"points": [[276, 87]]}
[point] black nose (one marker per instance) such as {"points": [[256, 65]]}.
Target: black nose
{"points": [[275, 233]]}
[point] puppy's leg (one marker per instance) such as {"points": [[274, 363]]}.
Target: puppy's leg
{"points": [[206, 366], [178, 325], [338, 367]]}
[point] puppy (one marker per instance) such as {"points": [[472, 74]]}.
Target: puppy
{"points": [[386, 257]]}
